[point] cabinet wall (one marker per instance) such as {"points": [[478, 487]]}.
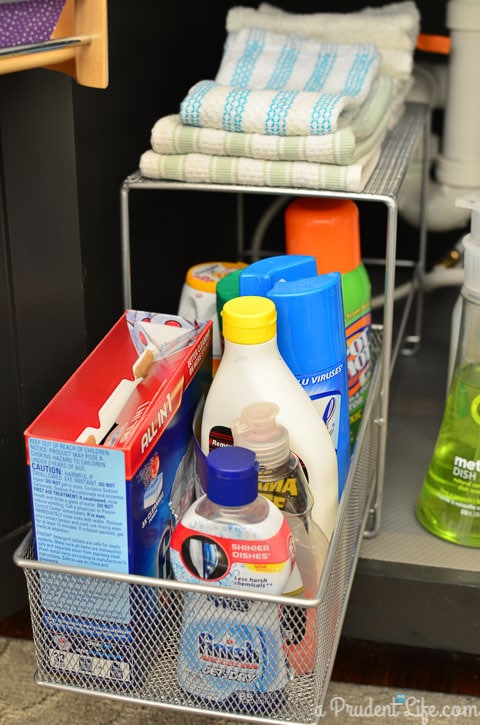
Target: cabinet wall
{"points": [[41, 290]]}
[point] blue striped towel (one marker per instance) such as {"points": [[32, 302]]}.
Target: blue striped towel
{"points": [[281, 113], [263, 59], [280, 85]]}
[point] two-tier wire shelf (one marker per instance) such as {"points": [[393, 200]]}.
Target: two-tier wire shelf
{"points": [[149, 610]]}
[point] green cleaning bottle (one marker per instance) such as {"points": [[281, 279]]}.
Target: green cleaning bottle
{"points": [[449, 502], [329, 230]]}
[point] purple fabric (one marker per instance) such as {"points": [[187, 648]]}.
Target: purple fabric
{"points": [[30, 21]]}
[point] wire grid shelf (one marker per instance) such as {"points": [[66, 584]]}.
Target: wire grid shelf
{"points": [[120, 635]]}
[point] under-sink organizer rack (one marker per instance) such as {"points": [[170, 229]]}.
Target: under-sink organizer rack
{"points": [[136, 660], [135, 622], [384, 186]]}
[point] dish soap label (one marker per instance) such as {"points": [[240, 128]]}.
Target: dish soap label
{"points": [[247, 564], [449, 503]]}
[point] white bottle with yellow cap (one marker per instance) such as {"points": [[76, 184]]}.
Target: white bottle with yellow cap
{"points": [[252, 370]]}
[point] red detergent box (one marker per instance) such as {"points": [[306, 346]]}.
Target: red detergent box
{"points": [[112, 468]]}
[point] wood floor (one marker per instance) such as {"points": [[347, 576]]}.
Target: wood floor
{"points": [[366, 663]]}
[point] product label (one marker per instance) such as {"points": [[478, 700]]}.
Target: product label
{"points": [[98, 667], [324, 388], [231, 652], [282, 491], [241, 563], [465, 475], [219, 437], [359, 368], [358, 354], [79, 500]]}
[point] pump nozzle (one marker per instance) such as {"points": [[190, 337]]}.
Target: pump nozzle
{"points": [[258, 430], [471, 242], [472, 201]]}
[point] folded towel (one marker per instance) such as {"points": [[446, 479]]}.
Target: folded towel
{"points": [[282, 85], [281, 113], [205, 168], [170, 136], [264, 60], [395, 25], [393, 28]]}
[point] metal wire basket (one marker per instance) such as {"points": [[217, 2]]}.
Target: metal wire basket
{"points": [[119, 635]]}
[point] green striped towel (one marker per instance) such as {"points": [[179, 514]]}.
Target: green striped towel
{"points": [[210, 169]]}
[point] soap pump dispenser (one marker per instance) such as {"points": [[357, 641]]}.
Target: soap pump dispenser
{"points": [[282, 480], [449, 502]]}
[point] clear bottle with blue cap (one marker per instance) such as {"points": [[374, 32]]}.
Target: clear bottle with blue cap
{"points": [[231, 651]]}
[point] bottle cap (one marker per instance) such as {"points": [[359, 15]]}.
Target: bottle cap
{"points": [[232, 476], [471, 243], [249, 320], [227, 289], [311, 327], [327, 229], [205, 276], [260, 276], [258, 430]]}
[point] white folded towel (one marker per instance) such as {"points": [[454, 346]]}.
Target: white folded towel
{"points": [[393, 28], [265, 60], [366, 129], [205, 168], [398, 23]]}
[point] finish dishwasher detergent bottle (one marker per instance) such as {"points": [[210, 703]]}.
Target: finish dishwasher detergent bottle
{"points": [[231, 650], [329, 230], [251, 370]]}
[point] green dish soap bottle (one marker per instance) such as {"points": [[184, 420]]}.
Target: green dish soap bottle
{"points": [[449, 502]]}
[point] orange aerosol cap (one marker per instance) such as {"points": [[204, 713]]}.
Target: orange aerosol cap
{"points": [[327, 229]]}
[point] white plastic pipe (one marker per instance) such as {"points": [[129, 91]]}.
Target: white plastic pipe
{"points": [[459, 159], [456, 156]]}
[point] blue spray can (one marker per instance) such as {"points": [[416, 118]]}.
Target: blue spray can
{"points": [[311, 340]]}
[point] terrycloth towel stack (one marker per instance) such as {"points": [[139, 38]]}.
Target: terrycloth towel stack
{"points": [[284, 110]]}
